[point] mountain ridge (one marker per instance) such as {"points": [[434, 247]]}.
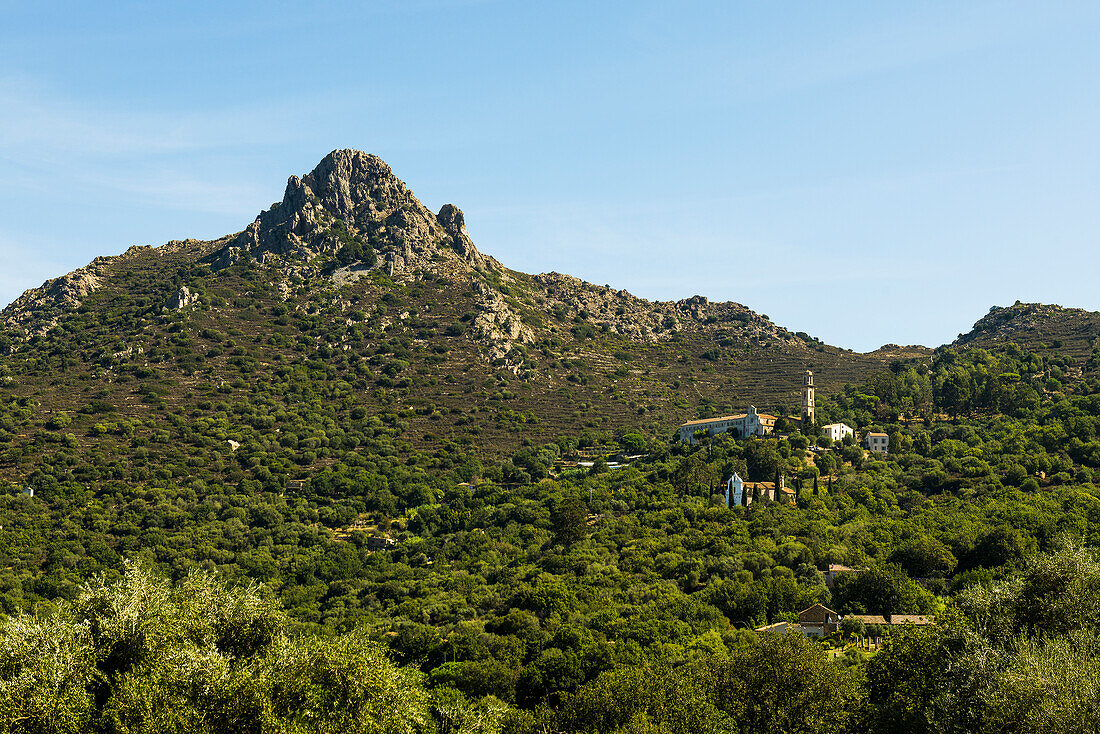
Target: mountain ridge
{"points": [[350, 270], [352, 204], [1075, 331], [353, 208]]}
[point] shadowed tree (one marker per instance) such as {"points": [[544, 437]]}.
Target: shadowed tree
{"points": [[570, 518]]}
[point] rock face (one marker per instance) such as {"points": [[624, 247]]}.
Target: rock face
{"points": [[452, 220], [351, 206], [351, 203], [620, 312], [181, 299], [35, 310], [498, 324]]}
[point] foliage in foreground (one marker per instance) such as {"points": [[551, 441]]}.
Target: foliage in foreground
{"points": [[140, 655]]}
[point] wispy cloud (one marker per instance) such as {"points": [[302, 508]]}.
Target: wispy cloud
{"points": [[146, 156], [52, 123]]}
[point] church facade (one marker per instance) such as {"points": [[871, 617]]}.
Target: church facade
{"points": [[740, 493]]}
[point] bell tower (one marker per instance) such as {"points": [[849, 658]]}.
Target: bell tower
{"points": [[808, 399]]}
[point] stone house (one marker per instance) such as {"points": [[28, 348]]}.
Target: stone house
{"points": [[818, 621], [876, 443]]}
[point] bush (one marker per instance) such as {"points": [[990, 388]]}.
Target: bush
{"points": [[197, 657]]}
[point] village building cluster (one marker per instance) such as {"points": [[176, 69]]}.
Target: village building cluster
{"points": [[821, 621], [740, 493], [756, 424]]}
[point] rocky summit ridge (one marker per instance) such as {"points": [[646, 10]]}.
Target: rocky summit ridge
{"points": [[1073, 330], [352, 203], [351, 217]]}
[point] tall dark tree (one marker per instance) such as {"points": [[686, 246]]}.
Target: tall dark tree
{"points": [[570, 517]]}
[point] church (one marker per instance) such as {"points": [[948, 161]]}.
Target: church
{"points": [[751, 423], [740, 493], [738, 426]]}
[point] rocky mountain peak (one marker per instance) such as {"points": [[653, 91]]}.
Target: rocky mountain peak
{"points": [[1073, 331], [351, 205], [352, 184], [453, 221]]}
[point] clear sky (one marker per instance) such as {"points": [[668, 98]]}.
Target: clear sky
{"points": [[867, 172]]}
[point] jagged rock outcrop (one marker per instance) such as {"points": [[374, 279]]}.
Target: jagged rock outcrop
{"points": [[620, 312], [453, 221], [181, 299], [35, 311], [352, 204], [497, 324]]}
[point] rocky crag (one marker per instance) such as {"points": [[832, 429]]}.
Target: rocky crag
{"points": [[1072, 330], [351, 215], [352, 271]]}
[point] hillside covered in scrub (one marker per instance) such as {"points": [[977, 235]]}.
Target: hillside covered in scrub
{"points": [[352, 280], [368, 444]]}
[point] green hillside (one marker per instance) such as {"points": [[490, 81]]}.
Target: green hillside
{"points": [[349, 405], [375, 306], [1071, 331]]}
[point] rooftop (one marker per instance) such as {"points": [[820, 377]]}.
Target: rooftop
{"points": [[701, 421], [764, 418]]}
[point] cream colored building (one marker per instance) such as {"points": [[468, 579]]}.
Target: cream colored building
{"points": [[808, 402], [739, 426]]}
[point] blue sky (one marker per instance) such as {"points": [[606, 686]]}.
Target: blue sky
{"points": [[866, 172]]}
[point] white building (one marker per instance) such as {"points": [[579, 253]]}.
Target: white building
{"points": [[735, 491], [739, 426], [740, 493], [837, 431], [878, 443]]}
